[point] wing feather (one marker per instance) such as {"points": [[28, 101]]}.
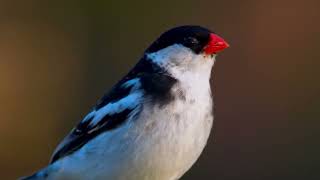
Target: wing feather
{"points": [[123, 102], [102, 118]]}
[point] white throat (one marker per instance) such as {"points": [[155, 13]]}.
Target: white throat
{"points": [[185, 136], [183, 64]]}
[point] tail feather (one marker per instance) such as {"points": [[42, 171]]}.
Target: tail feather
{"points": [[32, 177], [40, 175]]}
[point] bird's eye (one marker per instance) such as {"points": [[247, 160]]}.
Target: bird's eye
{"points": [[191, 40]]}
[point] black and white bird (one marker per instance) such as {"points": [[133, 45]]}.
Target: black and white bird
{"points": [[154, 123]]}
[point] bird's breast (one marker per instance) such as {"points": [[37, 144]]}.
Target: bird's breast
{"points": [[161, 143], [172, 136]]}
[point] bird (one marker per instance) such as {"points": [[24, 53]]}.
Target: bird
{"points": [[154, 123]]}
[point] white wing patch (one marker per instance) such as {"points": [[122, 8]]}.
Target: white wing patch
{"points": [[89, 116], [129, 102], [133, 83]]}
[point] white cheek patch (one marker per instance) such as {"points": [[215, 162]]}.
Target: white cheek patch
{"points": [[169, 56], [178, 59]]}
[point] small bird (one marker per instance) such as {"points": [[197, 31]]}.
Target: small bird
{"points": [[154, 123]]}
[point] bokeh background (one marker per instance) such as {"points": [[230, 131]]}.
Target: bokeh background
{"points": [[58, 57]]}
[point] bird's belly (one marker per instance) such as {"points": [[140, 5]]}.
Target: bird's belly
{"points": [[162, 144], [172, 139]]}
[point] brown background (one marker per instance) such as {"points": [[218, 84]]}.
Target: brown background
{"points": [[58, 57]]}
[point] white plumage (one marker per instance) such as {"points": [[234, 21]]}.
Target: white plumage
{"points": [[154, 123]]}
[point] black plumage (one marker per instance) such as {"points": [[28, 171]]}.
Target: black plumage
{"points": [[155, 81], [193, 37]]}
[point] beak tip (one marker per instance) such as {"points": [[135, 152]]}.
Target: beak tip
{"points": [[216, 44]]}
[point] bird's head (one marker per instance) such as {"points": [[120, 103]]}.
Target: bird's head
{"points": [[185, 49]]}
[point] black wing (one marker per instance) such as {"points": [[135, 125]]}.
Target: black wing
{"points": [[145, 77], [94, 124], [84, 132]]}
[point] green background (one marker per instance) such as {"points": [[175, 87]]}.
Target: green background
{"points": [[58, 57]]}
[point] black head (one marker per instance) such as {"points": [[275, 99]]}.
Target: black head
{"points": [[193, 37]]}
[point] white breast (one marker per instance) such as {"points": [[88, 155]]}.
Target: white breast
{"points": [[178, 132], [161, 144], [172, 137]]}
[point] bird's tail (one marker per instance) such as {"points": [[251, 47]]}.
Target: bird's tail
{"points": [[32, 177], [43, 174]]}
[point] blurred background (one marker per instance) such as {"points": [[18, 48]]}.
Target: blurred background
{"points": [[58, 57]]}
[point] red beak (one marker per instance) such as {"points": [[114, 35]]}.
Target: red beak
{"points": [[216, 44]]}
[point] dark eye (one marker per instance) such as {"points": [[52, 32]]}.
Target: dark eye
{"points": [[191, 41]]}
